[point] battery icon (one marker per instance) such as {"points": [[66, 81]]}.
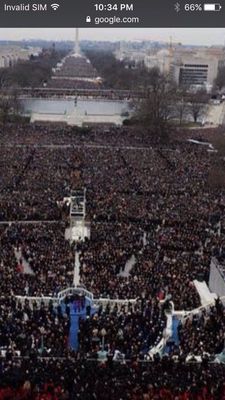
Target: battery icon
{"points": [[212, 7]]}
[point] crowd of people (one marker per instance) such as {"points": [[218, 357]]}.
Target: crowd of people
{"points": [[49, 256], [68, 379], [76, 66], [26, 331], [59, 134], [83, 93], [143, 198], [59, 82], [75, 72], [155, 223], [204, 332], [129, 332], [155, 206]]}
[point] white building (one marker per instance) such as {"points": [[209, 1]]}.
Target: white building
{"points": [[161, 59], [10, 55], [197, 68]]}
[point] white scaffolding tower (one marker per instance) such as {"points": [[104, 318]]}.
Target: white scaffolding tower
{"points": [[78, 214], [79, 228]]}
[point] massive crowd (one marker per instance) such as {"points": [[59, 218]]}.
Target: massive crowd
{"points": [[155, 206], [204, 332], [144, 197], [154, 227], [73, 83], [75, 72], [76, 66], [68, 379], [130, 332], [38, 330]]}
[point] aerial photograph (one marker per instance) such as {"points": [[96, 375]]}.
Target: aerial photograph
{"points": [[112, 214]]}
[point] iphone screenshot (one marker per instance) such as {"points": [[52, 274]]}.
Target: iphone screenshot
{"points": [[112, 200]]}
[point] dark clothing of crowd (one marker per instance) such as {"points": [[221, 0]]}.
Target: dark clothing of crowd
{"points": [[155, 224]]}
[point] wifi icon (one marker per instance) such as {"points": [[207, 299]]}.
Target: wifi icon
{"points": [[55, 6]]}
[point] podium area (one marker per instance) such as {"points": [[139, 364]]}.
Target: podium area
{"points": [[78, 309]]}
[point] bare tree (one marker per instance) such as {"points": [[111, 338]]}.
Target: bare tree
{"points": [[220, 79], [181, 109], [157, 111], [16, 106], [9, 104], [3, 78], [198, 105], [5, 106]]}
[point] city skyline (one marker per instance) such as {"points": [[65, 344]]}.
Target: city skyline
{"points": [[196, 36]]}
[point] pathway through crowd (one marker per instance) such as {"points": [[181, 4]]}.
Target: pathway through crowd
{"points": [[22, 263], [76, 313], [174, 339]]}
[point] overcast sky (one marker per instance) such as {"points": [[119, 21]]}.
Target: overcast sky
{"points": [[196, 36]]}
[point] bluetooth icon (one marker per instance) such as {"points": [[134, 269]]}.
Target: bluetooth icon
{"points": [[177, 7]]}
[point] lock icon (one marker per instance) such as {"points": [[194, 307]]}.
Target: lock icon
{"points": [[88, 19]]}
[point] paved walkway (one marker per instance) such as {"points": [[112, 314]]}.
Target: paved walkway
{"points": [[174, 339], [145, 241], [26, 266], [128, 267], [85, 146], [204, 293], [75, 315], [76, 276], [132, 260]]}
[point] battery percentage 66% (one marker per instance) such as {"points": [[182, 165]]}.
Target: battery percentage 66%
{"points": [[191, 7]]}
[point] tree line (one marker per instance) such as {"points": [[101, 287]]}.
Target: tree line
{"points": [[30, 73], [118, 74], [168, 106], [33, 72], [166, 102]]}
